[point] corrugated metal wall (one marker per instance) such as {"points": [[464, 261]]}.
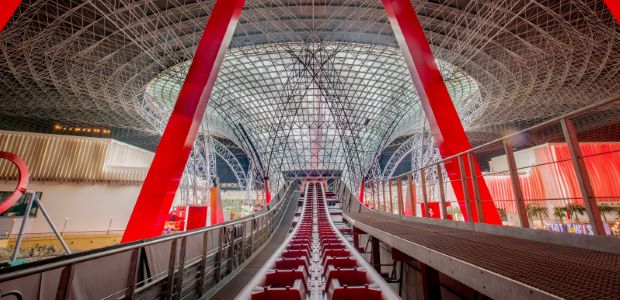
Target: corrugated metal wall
{"points": [[74, 158]]}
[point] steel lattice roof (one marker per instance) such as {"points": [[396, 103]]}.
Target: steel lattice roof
{"points": [[317, 84]]}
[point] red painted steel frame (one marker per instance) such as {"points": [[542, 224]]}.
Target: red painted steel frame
{"points": [[267, 192], [7, 8], [22, 184], [161, 183], [436, 102], [196, 217], [361, 197], [614, 7]]}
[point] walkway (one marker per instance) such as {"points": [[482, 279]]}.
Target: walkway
{"points": [[548, 270]]}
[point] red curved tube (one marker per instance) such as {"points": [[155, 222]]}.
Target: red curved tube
{"points": [[24, 176]]}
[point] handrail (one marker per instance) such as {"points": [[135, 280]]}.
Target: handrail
{"points": [[270, 266], [80, 257], [470, 176], [514, 134], [388, 292], [247, 291]]}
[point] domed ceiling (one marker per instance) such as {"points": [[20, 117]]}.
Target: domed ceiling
{"points": [[316, 85]]}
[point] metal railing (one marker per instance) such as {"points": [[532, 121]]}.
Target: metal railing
{"points": [[33, 235], [183, 265], [556, 182]]}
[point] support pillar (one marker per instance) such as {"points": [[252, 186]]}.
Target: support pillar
{"points": [[413, 200], [267, 192], [425, 210], [438, 107], [375, 195], [375, 255], [476, 189], [430, 282], [468, 215], [162, 181], [399, 195], [361, 196], [516, 185], [583, 178], [442, 193], [372, 195], [383, 194], [390, 194], [20, 234]]}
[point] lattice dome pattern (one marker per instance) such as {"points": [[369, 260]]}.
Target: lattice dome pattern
{"points": [[327, 106], [317, 85]]}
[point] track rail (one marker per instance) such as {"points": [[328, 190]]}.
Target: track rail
{"points": [[316, 261]]}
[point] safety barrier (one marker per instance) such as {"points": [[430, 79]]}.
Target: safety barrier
{"points": [[560, 175]]}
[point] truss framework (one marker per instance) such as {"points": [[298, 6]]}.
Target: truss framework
{"points": [[319, 84]]}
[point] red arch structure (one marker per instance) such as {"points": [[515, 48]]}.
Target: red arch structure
{"points": [[24, 176]]}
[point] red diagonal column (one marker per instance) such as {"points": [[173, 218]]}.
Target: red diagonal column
{"points": [[7, 8], [436, 102], [614, 7], [161, 183]]}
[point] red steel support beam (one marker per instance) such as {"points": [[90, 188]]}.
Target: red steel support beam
{"points": [[361, 197], [373, 197], [7, 8], [436, 102], [162, 181], [267, 192], [614, 8], [390, 194]]}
